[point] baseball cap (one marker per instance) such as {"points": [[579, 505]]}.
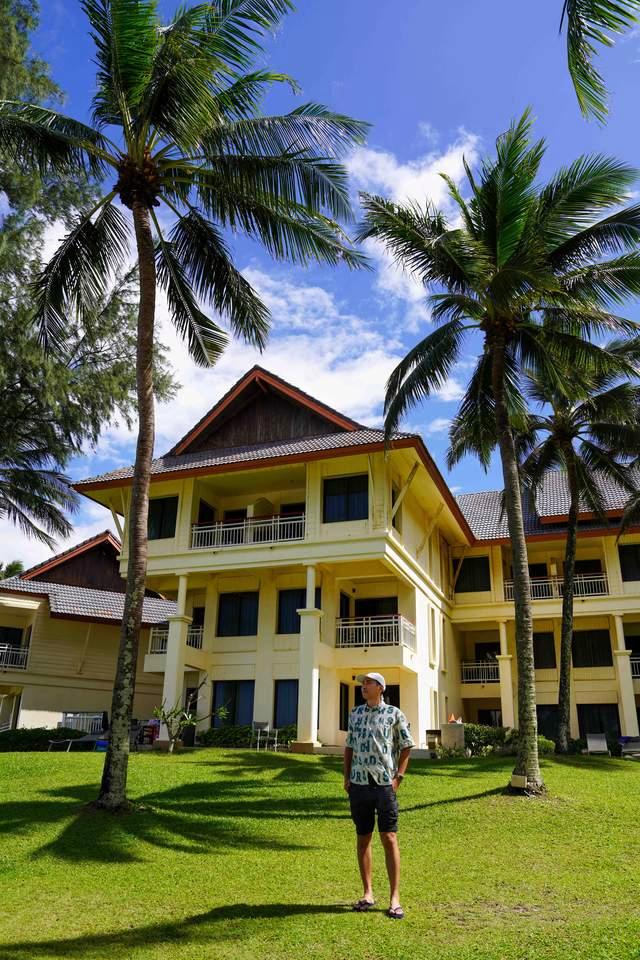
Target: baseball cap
{"points": [[372, 676]]}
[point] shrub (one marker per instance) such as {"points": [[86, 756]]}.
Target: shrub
{"points": [[545, 746], [483, 740], [240, 736], [35, 738]]}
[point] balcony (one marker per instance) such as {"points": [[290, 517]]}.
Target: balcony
{"points": [[635, 668], [87, 722], [13, 658], [550, 588], [383, 631], [159, 638], [249, 532], [480, 671]]}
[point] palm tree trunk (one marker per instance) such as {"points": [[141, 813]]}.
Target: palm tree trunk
{"points": [[527, 764], [564, 688], [113, 790]]}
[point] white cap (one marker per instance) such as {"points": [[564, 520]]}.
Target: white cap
{"points": [[372, 676]]}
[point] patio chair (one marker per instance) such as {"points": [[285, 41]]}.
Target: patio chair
{"points": [[630, 748], [597, 743], [259, 733], [272, 739]]}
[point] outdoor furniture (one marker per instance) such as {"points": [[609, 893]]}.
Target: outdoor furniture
{"points": [[259, 733], [630, 748], [272, 739], [597, 743], [56, 743]]}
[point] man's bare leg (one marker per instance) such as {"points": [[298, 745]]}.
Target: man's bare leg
{"points": [[364, 862], [392, 860]]}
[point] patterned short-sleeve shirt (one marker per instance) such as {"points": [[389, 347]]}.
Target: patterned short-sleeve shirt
{"points": [[377, 735]]}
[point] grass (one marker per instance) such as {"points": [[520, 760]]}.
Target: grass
{"points": [[232, 854]]}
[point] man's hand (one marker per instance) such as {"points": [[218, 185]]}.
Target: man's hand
{"points": [[395, 783], [347, 784]]}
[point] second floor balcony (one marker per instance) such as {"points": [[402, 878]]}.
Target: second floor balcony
{"points": [[251, 531], [12, 657], [635, 668], [551, 588], [480, 671], [391, 630], [159, 638]]}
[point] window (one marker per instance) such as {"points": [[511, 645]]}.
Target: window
{"points": [[292, 509], [633, 643], [344, 706], [433, 646], [237, 698], [443, 642], [598, 718], [474, 577], [544, 651], [487, 650], [490, 717], [206, 513], [238, 615], [345, 605], [285, 710], [346, 498], [162, 518], [11, 636], [197, 617], [586, 567], [376, 607], [591, 648], [630, 561], [289, 602], [547, 714]]}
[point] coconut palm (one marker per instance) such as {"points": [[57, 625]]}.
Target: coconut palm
{"points": [[592, 439], [178, 134], [526, 269], [589, 24], [11, 569]]}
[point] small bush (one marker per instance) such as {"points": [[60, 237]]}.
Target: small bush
{"points": [[34, 738], [546, 746], [483, 740], [240, 736]]}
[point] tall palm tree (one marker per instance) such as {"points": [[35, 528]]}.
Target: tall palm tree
{"points": [[11, 569], [592, 439], [527, 269], [589, 24], [176, 127]]}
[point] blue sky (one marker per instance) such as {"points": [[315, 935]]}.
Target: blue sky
{"points": [[436, 81]]}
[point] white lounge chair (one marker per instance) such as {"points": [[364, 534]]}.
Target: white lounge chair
{"points": [[631, 749], [597, 743]]}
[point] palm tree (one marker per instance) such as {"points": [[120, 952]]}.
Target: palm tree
{"points": [[592, 439], [527, 269], [11, 569], [182, 101], [590, 23]]}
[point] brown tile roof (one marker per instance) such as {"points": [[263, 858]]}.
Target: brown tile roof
{"points": [[86, 603]]}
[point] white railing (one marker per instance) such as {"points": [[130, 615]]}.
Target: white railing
{"points": [[89, 722], [385, 631], [249, 531], [13, 658], [550, 588], [635, 668], [480, 671], [158, 639]]}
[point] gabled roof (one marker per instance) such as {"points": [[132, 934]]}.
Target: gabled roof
{"points": [[83, 603], [47, 565], [241, 393]]}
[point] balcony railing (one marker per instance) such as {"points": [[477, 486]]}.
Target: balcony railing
{"points": [[480, 671], [384, 631], [635, 668], [13, 658], [550, 588], [89, 722], [253, 530], [160, 637]]}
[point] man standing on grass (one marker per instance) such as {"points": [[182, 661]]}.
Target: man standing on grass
{"points": [[376, 757]]}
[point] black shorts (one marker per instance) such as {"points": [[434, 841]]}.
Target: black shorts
{"points": [[368, 800]]}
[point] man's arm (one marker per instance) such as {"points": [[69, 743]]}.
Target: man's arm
{"points": [[348, 757], [403, 763]]}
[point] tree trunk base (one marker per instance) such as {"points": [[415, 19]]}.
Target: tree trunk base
{"points": [[521, 787], [107, 806]]}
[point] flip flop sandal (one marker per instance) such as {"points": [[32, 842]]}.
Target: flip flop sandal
{"points": [[396, 913], [362, 905]]}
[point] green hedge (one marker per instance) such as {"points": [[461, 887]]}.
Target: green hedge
{"points": [[240, 736], [34, 738], [482, 741]]}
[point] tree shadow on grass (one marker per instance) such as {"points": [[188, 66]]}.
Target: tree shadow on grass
{"points": [[229, 922]]}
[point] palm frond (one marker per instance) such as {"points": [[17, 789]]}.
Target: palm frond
{"points": [[34, 499], [602, 284], [236, 26]]}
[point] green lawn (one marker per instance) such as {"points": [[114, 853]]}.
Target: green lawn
{"points": [[233, 854]]}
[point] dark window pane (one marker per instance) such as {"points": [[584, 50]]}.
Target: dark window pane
{"points": [[490, 718], [633, 644], [197, 617], [488, 650], [292, 509], [598, 718], [547, 714], [345, 605], [206, 513], [344, 706], [591, 648], [162, 518], [238, 614], [244, 702], [237, 697], [630, 561], [11, 635], [475, 576], [289, 602], [584, 567], [544, 651], [286, 703], [376, 607], [346, 498]]}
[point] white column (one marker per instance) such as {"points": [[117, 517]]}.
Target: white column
{"points": [[172, 690], [626, 697], [506, 679], [309, 670]]}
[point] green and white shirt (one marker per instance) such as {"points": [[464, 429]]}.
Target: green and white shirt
{"points": [[377, 735]]}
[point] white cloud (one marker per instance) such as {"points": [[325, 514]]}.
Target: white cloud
{"points": [[450, 390], [438, 425]]}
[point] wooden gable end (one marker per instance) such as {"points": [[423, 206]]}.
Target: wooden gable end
{"points": [[96, 567]]}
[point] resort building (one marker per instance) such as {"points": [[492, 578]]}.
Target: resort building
{"points": [[300, 552]]}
